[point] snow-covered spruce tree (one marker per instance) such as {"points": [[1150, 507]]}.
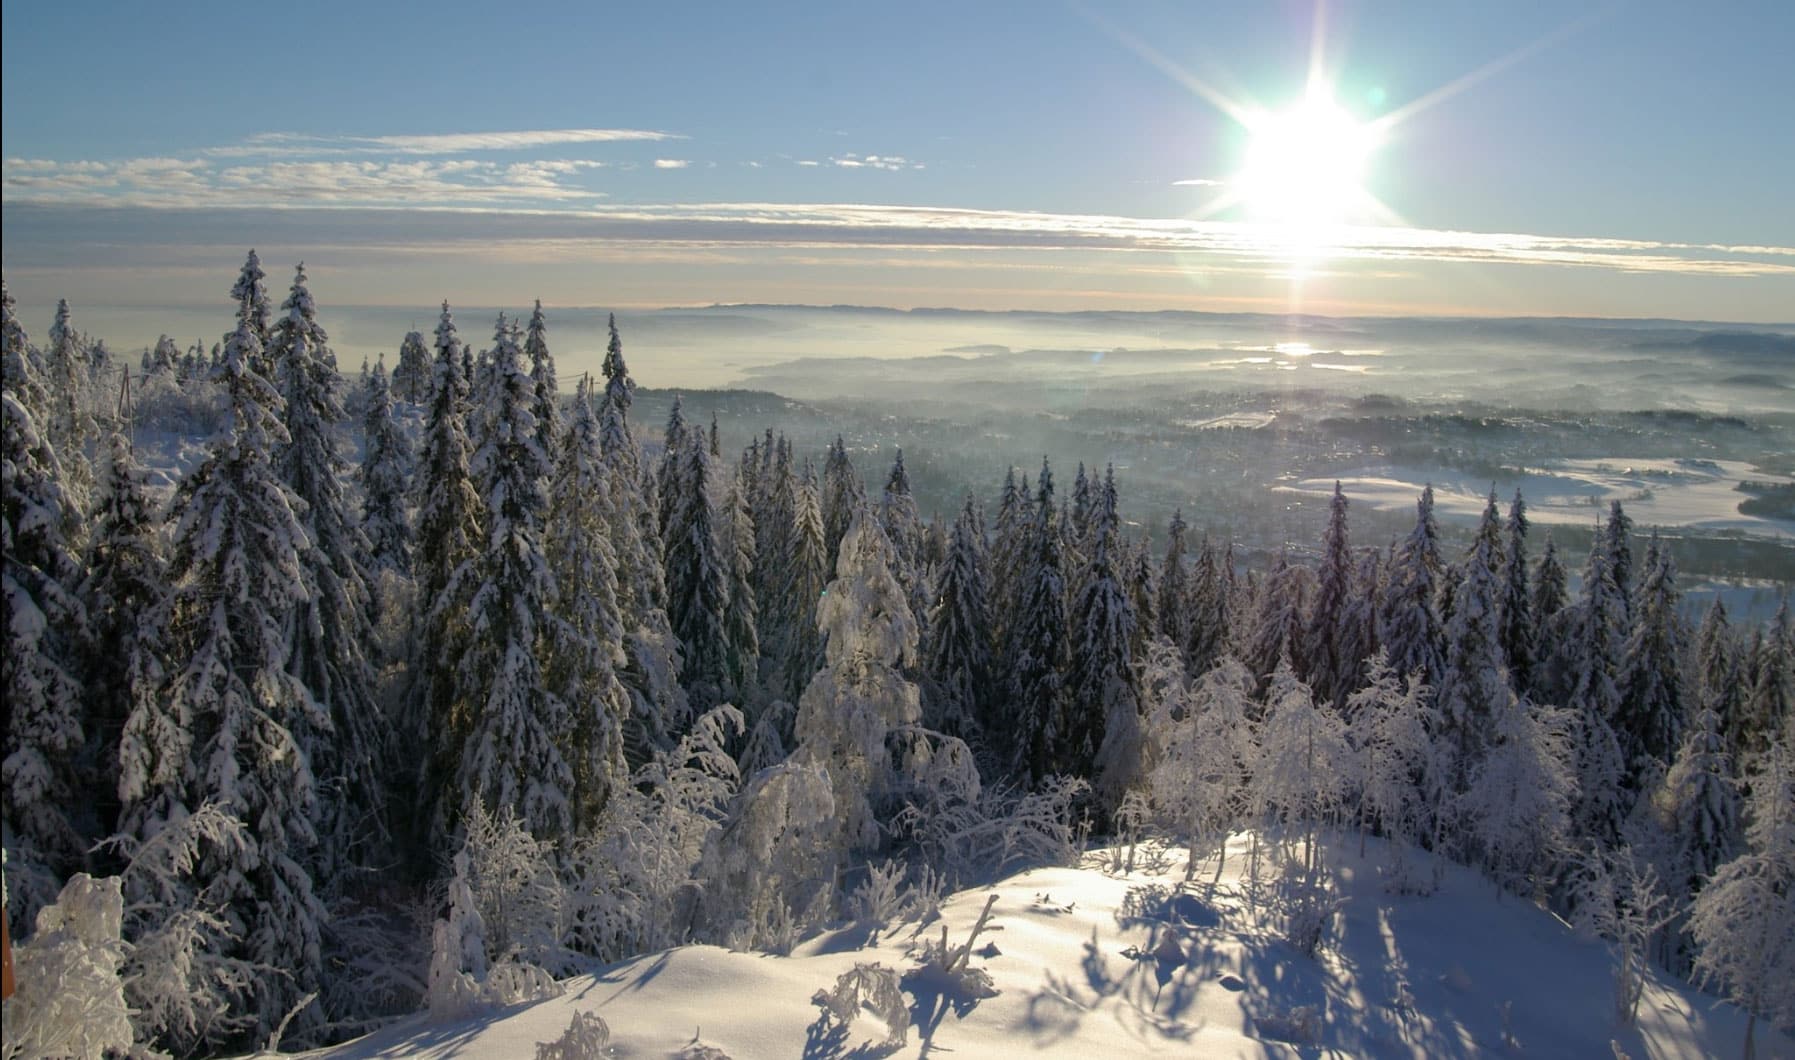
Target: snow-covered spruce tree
{"points": [[1586, 667], [385, 474], [1276, 627], [1174, 612], [519, 727], [957, 660], [165, 359], [221, 728], [1699, 804], [668, 472], [69, 426], [413, 376], [698, 575], [43, 620], [773, 506], [20, 367], [1473, 684], [1516, 812], [1102, 711], [796, 640], [1408, 625], [1009, 551], [1617, 540], [589, 649], [542, 377], [1142, 578], [651, 671], [449, 515], [332, 627], [1649, 721], [1550, 596], [125, 578], [1392, 730], [903, 528], [1515, 629], [841, 496], [1358, 621], [861, 696], [1743, 922], [741, 623], [1034, 656], [255, 311], [1327, 670], [1212, 608], [1202, 744], [1719, 675], [1770, 700]]}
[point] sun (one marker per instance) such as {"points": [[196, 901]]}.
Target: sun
{"points": [[1306, 165]]}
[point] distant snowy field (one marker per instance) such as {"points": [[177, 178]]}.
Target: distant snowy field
{"points": [[1094, 963], [1670, 492]]}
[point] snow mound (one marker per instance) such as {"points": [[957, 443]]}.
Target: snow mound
{"points": [[1091, 963]]}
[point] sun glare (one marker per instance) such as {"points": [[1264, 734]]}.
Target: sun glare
{"points": [[1305, 167]]}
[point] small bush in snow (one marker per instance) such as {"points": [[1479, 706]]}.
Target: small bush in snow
{"points": [[70, 1001], [584, 1039], [871, 985]]}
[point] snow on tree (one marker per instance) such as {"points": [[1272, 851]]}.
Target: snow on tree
{"points": [[1035, 654], [774, 501], [1743, 921], [332, 629], [957, 656], [385, 474], [1516, 811], [842, 495], [1585, 669], [1649, 721], [124, 580], [1550, 594], [1276, 628], [1174, 611], [70, 1000], [1327, 669], [254, 311], [1141, 576], [742, 620], [651, 671], [698, 575], [861, 696], [589, 650], [448, 539], [1619, 897], [668, 473], [1009, 549], [542, 376], [414, 375], [903, 528], [1305, 768], [20, 369], [69, 426], [1212, 609], [1473, 685], [43, 622], [519, 727], [1514, 612], [1699, 804], [796, 640], [1202, 745], [1102, 712], [165, 358], [458, 951], [1358, 620], [1408, 624], [1770, 700], [1077, 523], [1719, 677], [220, 728], [1392, 731], [1616, 539]]}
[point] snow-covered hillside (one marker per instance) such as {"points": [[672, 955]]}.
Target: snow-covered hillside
{"points": [[1096, 962]]}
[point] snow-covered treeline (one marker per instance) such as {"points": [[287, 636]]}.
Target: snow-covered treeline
{"points": [[532, 685]]}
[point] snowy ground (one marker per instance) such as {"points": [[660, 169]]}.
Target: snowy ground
{"points": [[1696, 494], [1095, 964]]}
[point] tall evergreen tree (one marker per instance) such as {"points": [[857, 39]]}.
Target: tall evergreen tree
{"points": [[1720, 679], [1036, 653], [1472, 684], [412, 376], [741, 624], [1516, 631], [1102, 728], [797, 640], [43, 619], [903, 528], [669, 470], [1649, 721], [1408, 625], [1175, 588], [1588, 667], [958, 652], [587, 648], [125, 580], [331, 627], [219, 728], [542, 377], [842, 495], [1703, 802], [520, 727], [1617, 539], [385, 475], [1212, 609], [1009, 551], [69, 426], [255, 311], [1327, 670], [698, 576]]}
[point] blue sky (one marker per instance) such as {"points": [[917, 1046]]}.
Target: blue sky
{"points": [[1627, 159]]}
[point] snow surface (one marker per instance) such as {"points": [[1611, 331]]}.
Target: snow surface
{"points": [[1096, 964], [1672, 492]]}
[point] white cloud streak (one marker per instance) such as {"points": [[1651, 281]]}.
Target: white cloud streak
{"points": [[672, 163], [288, 144]]}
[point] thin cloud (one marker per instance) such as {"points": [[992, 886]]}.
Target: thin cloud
{"points": [[858, 161], [672, 163], [1199, 182], [288, 144]]}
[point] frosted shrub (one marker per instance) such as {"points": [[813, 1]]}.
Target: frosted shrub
{"points": [[70, 1000], [871, 985], [1619, 899], [584, 1039]]}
